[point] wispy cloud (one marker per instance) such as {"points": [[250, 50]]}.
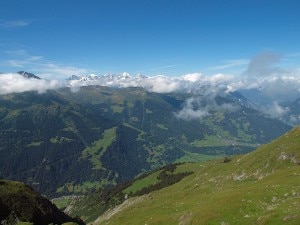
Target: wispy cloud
{"points": [[21, 59], [200, 107], [228, 64], [294, 54], [164, 67], [274, 110], [49, 69], [21, 63], [14, 23]]}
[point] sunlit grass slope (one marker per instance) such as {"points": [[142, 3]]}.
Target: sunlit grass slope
{"points": [[262, 187]]}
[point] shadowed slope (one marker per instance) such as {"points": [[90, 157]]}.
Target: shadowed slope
{"points": [[19, 202]]}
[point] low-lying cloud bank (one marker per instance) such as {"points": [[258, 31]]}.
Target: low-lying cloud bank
{"points": [[279, 88], [15, 83], [268, 91], [160, 83], [274, 87]]}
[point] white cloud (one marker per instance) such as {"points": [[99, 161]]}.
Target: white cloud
{"points": [[218, 79], [274, 110], [264, 64], [15, 83], [193, 77], [191, 110], [161, 84], [200, 107]]}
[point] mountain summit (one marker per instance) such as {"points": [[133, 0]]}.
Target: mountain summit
{"points": [[28, 75]]}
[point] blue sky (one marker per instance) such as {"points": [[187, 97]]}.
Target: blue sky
{"points": [[57, 38]]}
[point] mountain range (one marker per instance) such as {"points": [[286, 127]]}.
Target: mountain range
{"points": [[63, 142]]}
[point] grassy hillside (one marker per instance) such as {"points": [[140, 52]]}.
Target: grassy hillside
{"points": [[261, 187], [20, 204], [89, 207]]}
